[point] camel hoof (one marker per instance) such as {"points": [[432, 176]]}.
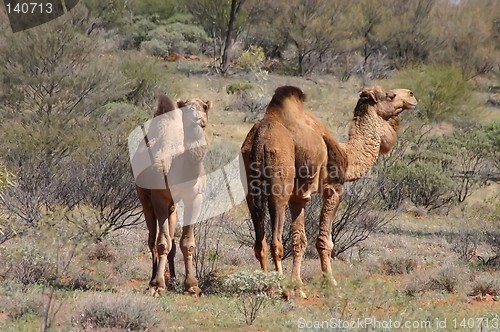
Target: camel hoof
{"points": [[150, 291], [193, 291], [290, 294], [155, 291], [329, 280]]}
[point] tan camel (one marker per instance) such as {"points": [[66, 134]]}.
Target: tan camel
{"points": [[289, 155], [187, 183]]}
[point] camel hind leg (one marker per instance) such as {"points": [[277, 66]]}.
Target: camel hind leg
{"points": [[260, 246], [151, 223], [299, 242], [277, 208]]}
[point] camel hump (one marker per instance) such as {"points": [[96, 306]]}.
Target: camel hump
{"points": [[165, 105], [286, 92]]}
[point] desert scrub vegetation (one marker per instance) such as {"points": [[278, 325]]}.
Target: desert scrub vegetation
{"points": [[253, 291], [486, 284], [398, 264], [72, 89], [19, 304], [112, 311], [448, 278]]}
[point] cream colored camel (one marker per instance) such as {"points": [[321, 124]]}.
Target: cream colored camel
{"points": [[171, 153], [289, 155]]}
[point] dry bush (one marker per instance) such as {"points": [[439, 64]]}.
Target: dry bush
{"points": [[486, 284], [465, 244], [445, 279], [236, 255], [398, 264], [19, 305], [102, 251], [112, 311], [250, 103], [29, 266]]}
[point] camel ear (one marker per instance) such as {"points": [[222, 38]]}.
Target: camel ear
{"points": [[181, 104], [368, 94], [208, 105], [390, 95]]}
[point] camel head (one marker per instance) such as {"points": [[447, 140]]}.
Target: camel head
{"points": [[201, 108], [390, 103]]}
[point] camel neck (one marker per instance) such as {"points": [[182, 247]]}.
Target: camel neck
{"points": [[363, 145]]}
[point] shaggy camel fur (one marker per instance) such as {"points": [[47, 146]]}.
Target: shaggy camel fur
{"points": [[289, 155], [171, 153]]}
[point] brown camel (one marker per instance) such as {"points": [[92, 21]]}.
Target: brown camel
{"points": [[174, 176], [289, 155]]}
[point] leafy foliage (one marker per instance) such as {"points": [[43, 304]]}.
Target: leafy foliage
{"points": [[442, 92]]}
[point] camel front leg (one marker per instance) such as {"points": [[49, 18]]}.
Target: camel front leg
{"points": [[299, 242], [163, 242], [192, 208], [324, 243]]}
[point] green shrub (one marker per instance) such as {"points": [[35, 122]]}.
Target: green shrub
{"points": [[155, 47], [442, 92], [113, 311], [239, 87], [147, 75], [178, 36], [252, 59], [190, 68], [253, 291], [428, 185]]}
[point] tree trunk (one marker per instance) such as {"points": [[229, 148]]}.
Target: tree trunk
{"points": [[235, 8]]}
